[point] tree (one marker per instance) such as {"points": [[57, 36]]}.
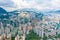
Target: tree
{"points": [[44, 37], [32, 36]]}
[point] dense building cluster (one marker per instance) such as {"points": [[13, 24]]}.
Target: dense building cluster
{"points": [[15, 25]]}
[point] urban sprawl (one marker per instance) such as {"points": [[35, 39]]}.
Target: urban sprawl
{"points": [[16, 25]]}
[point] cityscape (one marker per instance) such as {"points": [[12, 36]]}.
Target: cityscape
{"points": [[29, 24], [29, 19]]}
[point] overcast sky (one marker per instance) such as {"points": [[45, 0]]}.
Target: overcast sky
{"points": [[37, 4]]}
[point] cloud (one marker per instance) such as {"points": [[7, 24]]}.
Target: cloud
{"points": [[24, 4], [7, 3], [8, 8], [37, 4]]}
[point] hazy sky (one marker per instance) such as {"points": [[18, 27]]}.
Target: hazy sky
{"points": [[38, 4]]}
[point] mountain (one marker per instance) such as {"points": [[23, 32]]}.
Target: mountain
{"points": [[2, 10], [36, 12], [3, 13], [29, 10], [32, 11]]}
